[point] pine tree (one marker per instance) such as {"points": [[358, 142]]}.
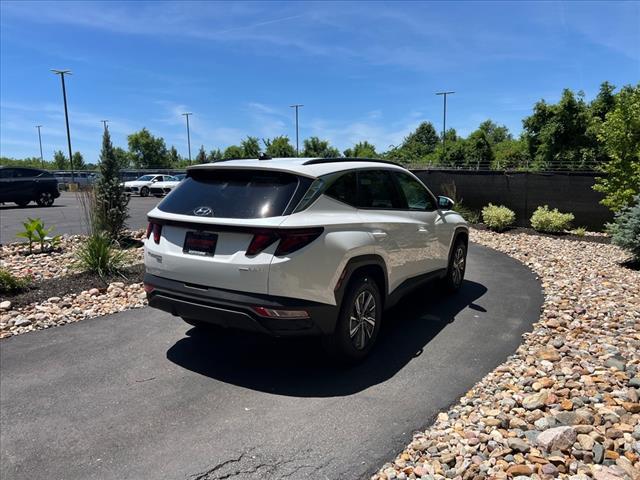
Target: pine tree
{"points": [[111, 202]]}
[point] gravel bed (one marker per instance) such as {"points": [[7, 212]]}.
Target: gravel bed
{"points": [[74, 307], [565, 405], [41, 266]]}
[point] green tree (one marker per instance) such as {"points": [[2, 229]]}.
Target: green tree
{"points": [[422, 141], [494, 133], [604, 102], [250, 147], [122, 157], [215, 156], [558, 135], [78, 161], [279, 147], [112, 209], [174, 157], [511, 155], [60, 160], [148, 151], [620, 134], [362, 150], [233, 151], [201, 157], [314, 147], [479, 152]]}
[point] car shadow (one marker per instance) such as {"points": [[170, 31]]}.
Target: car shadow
{"points": [[299, 367], [27, 207]]}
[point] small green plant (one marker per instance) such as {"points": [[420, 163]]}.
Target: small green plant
{"points": [[9, 283], [625, 229], [579, 232], [498, 217], [100, 255], [550, 221], [35, 231]]}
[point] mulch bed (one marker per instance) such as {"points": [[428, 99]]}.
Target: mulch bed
{"points": [[74, 283]]}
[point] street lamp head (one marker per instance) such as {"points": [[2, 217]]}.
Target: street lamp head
{"points": [[186, 114], [295, 105], [61, 72], [444, 93]]}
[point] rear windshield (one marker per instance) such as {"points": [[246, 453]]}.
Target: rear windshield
{"points": [[232, 194]]}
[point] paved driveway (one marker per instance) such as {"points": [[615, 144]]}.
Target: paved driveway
{"points": [[66, 215], [140, 395]]}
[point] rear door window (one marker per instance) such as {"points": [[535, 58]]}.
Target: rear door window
{"points": [[344, 189], [377, 190], [230, 193]]}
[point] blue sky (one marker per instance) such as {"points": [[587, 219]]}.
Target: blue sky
{"points": [[362, 70]]}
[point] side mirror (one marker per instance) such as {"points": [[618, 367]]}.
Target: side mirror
{"points": [[445, 203]]}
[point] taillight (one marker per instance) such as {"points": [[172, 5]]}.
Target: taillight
{"points": [[156, 229], [290, 240], [260, 241]]}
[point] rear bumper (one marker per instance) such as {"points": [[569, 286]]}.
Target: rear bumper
{"points": [[233, 309]]}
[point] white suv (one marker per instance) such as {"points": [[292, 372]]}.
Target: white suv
{"points": [[299, 246]]}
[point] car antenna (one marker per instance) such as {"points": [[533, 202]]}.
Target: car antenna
{"points": [[264, 156]]}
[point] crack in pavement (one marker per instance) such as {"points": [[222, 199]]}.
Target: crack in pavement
{"points": [[271, 467]]}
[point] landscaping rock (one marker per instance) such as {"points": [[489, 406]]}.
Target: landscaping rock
{"points": [[570, 391]]}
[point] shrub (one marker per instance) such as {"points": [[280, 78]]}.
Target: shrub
{"points": [[471, 216], [99, 254], [9, 283], [111, 203], [579, 232], [498, 217], [551, 221], [625, 230]]}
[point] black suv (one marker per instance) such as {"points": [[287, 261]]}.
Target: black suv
{"points": [[23, 185]]}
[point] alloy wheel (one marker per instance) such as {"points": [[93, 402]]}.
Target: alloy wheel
{"points": [[45, 199], [457, 268], [362, 321]]}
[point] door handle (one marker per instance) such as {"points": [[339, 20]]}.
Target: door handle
{"points": [[379, 234], [423, 229]]}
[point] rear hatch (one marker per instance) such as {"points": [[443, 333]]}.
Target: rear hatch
{"points": [[216, 227]]}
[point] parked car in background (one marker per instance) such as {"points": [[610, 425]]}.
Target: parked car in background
{"points": [[160, 189], [304, 246], [142, 185], [24, 185], [83, 179]]}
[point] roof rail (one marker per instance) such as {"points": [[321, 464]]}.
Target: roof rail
{"points": [[316, 161]]}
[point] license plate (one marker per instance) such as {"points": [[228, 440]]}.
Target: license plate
{"points": [[200, 243]]}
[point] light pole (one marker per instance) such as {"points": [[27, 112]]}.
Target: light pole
{"points": [[40, 140], [297, 106], [444, 123], [186, 114], [66, 117], [104, 122]]}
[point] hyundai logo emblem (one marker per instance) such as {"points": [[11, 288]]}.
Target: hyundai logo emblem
{"points": [[203, 212]]}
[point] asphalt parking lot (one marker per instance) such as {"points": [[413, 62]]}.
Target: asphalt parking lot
{"points": [[141, 395], [66, 215]]}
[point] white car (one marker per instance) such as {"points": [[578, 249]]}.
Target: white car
{"points": [[160, 189], [142, 185], [300, 246]]}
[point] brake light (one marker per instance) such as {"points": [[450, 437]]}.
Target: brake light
{"points": [[290, 240], [156, 229], [260, 241], [148, 287]]}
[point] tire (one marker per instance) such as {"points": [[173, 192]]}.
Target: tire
{"points": [[45, 199], [358, 322], [22, 203], [457, 266], [144, 192]]}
